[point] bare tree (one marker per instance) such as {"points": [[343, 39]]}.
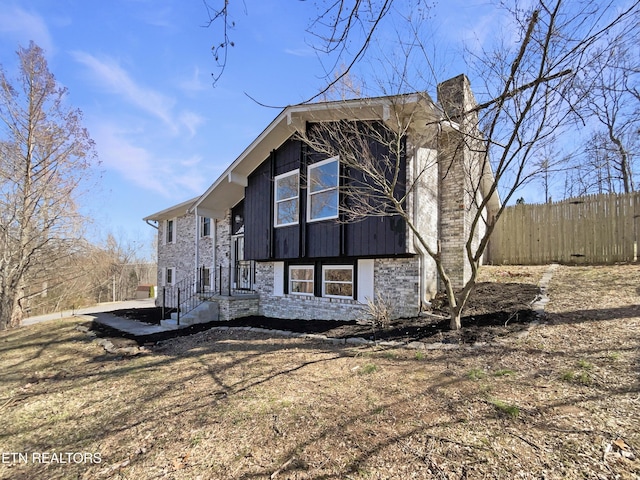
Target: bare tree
{"points": [[45, 154], [485, 148], [610, 91], [336, 27]]}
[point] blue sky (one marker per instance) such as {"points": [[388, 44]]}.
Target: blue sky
{"points": [[140, 70]]}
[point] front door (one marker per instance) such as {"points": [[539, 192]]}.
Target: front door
{"points": [[241, 272]]}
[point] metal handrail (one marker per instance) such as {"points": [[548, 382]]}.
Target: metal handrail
{"points": [[183, 296], [187, 294], [237, 279]]}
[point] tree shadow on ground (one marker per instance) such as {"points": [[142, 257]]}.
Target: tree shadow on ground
{"points": [[242, 376], [593, 315]]}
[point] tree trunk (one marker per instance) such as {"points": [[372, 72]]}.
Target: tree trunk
{"points": [[10, 309], [455, 311], [455, 323]]}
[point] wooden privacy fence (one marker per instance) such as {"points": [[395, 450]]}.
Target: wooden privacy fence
{"points": [[592, 229]]}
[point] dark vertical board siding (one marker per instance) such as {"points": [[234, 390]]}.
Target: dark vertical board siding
{"points": [[286, 240], [323, 239], [372, 236], [287, 157], [303, 232], [257, 213]]}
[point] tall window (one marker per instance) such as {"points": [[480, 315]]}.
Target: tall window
{"points": [[322, 192], [205, 277], [169, 231], [169, 276], [337, 281], [301, 279], [286, 198], [205, 226]]}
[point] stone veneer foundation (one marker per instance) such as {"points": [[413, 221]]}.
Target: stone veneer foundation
{"points": [[394, 278]]}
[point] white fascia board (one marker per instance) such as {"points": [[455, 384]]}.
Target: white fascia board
{"points": [[207, 212], [232, 170], [171, 212]]}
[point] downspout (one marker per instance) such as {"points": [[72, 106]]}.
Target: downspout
{"points": [[214, 267], [197, 245], [150, 224]]}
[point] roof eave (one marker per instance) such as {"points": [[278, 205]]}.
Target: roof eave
{"points": [[228, 189], [171, 212]]}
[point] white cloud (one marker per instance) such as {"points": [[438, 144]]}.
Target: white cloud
{"points": [[113, 77], [194, 84], [170, 177], [191, 121], [24, 27], [158, 17], [192, 162], [134, 163], [301, 52]]}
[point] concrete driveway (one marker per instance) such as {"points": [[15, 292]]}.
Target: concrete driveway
{"points": [[102, 307]]}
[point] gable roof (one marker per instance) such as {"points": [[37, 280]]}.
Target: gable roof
{"points": [[228, 189], [171, 212]]}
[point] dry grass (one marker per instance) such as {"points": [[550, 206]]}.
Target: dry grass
{"points": [[562, 402]]}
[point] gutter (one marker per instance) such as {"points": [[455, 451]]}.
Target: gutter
{"points": [[146, 220]]}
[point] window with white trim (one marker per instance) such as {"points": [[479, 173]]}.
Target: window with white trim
{"points": [[337, 281], [169, 231], [322, 190], [286, 198], [169, 276], [205, 226], [301, 279], [205, 277]]}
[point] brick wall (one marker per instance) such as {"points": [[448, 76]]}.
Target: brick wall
{"points": [[180, 255], [238, 307], [223, 253], [460, 160], [395, 279]]}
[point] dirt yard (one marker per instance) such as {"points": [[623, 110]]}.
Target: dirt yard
{"points": [[555, 400]]}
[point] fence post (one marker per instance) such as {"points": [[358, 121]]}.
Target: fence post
{"points": [[178, 317]]}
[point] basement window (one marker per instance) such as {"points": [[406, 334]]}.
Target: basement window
{"points": [[337, 281], [301, 279]]}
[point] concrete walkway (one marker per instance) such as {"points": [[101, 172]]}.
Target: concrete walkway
{"points": [[100, 308], [126, 325], [100, 314]]}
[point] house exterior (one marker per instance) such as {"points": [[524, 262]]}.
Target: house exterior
{"points": [[269, 236]]}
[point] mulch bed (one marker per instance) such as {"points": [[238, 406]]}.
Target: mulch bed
{"points": [[494, 310]]}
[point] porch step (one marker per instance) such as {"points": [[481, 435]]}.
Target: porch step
{"points": [[172, 324], [205, 312]]}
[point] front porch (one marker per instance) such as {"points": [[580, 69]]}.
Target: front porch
{"points": [[237, 306], [226, 293]]}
